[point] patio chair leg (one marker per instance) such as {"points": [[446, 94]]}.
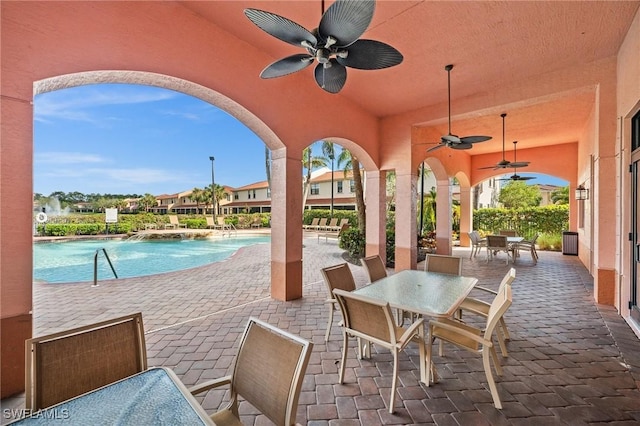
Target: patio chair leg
{"points": [[329, 323], [394, 382], [345, 343], [503, 347], [505, 330], [492, 385]]}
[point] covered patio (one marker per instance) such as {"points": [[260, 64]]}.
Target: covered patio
{"points": [[565, 72], [571, 361]]}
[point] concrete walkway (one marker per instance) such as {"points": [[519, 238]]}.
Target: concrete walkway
{"points": [[571, 361]]}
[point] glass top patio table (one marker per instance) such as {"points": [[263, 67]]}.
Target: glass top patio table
{"points": [[152, 397], [427, 293]]}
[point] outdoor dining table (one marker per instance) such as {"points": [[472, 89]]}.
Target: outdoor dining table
{"points": [[153, 397], [429, 294]]}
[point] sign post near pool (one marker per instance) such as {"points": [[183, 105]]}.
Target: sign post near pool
{"points": [[110, 216]]}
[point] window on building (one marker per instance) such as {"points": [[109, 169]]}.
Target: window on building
{"points": [[254, 194], [352, 186], [268, 192], [315, 189], [339, 187], [236, 196]]}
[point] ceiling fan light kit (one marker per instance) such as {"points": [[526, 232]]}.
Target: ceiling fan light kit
{"points": [[454, 141], [335, 44]]}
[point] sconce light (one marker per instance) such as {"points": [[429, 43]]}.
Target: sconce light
{"points": [[582, 193]]}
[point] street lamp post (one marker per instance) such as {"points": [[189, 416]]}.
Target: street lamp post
{"points": [[213, 191]]}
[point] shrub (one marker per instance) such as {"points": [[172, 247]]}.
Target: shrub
{"points": [[551, 242], [195, 223], [526, 221], [353, 241]]}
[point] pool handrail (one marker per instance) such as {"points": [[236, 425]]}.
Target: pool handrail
{"points": [[95, 266]]}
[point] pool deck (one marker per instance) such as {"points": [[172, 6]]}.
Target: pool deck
{"points": [[571, 361]]}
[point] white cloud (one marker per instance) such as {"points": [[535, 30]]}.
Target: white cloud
{"points": [[75, 104], [67, 158], [135, 176]]}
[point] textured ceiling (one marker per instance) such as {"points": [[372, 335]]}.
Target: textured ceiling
{"points": [[490, 43]]}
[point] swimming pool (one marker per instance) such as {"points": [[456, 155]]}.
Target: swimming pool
{"points": [[72, 261]]}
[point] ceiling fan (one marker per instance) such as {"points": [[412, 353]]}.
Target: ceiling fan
{"points": [[450, 140], [516, 176], [504, 163], [334, 44]]}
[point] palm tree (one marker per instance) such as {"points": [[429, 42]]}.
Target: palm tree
{"points": [[329, 155], [309, 162], [351, 163], [391, 190], [429, 209], [215, 196], [422, 174], [267, 165], [219, 193], [147, 201], [560, 195], [198, 196]]}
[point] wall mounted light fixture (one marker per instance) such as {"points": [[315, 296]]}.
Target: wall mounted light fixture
{"points": [[582, 193]]}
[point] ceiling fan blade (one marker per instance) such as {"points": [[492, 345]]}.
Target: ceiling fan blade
{"points": [[371, 55], [461, 145], [488, 167], [440, 145], [287, 65], [475, 139], [331, 79], [281, 27], [346, 21], [519, 164]]}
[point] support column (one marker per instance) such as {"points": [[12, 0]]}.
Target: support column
{"points": [[376, 201], [443, 217], [406, 226], [603, 203], [16, 235], [286, 225], [466, 215]]}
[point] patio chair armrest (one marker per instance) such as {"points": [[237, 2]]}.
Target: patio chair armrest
{"points": [[411, 331], [488, 290], [210, 384], [461, 331]]}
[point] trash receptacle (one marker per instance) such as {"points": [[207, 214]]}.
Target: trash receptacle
{"points": [[570, 243]]}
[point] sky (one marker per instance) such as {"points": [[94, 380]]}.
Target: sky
{"points": [[134, 139]]}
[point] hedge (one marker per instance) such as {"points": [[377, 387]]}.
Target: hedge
{"points": [[527, 221]]}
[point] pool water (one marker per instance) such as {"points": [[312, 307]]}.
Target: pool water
{"points": [[72, 261]]}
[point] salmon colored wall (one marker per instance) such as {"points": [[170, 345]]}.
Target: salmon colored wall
{"points": [[586, 147]]}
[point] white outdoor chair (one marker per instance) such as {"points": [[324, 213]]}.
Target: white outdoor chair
{"points": [[472, 339]]}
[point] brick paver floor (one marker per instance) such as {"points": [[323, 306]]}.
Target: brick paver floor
{"points": [[570, 361]]}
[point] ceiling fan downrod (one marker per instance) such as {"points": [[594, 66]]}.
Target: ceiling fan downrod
{"points": [[448, 68]]}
